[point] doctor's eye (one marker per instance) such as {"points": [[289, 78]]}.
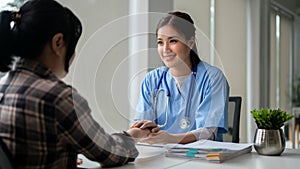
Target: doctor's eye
{"points": [[159, 43], [173, 41]]}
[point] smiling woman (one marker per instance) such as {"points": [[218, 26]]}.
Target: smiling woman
{"points": [[181, 96]]}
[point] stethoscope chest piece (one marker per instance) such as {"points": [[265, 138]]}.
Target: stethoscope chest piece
{"points": [[184, 123]]}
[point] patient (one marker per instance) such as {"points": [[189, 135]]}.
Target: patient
{"points": [[45, 123]]}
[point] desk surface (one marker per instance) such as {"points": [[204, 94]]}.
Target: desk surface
{"points": [[153, 157]]}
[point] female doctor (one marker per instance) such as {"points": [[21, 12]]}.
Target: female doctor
{"points": [[187, 99]]}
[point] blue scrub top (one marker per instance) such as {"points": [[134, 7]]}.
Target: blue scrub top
{"points": [[208, 105]]}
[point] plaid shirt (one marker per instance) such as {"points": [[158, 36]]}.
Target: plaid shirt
{"points": [[46, 123]]}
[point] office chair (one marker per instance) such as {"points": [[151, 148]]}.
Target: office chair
{"points": [[5, 157], [234, 110]]}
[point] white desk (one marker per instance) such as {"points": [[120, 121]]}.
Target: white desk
{"points": [[153, 158]]}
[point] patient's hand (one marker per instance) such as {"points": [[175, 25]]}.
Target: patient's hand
{"points": [[138, 133], [146, 124]]}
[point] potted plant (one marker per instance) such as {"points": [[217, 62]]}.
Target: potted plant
{"points": [[269, 138]]}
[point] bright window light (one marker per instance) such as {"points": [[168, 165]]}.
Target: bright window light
{"points": [[3, 3]]}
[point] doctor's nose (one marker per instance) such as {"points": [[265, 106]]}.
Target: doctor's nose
{"points": [[166, 47]]}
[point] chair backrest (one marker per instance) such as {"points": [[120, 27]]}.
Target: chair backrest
{"points": [[234, 110], [5, 157]]}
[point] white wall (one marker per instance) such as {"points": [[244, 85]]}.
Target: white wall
{"points": [[100, 70], [231, 45]]}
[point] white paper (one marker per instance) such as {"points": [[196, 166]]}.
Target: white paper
{"points": [[208, 144]]}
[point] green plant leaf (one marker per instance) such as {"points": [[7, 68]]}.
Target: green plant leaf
{"points": [[270, 119]]}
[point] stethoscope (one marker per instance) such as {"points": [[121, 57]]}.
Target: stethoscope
{"points": [[185, 122]]}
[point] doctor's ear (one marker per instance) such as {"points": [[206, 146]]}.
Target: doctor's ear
{"points": [[191, 42]]}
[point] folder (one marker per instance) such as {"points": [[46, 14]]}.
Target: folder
{"points": [[213, 151]]}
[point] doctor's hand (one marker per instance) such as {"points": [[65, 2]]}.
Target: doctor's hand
{"points": [[138, 133], [160, 137], [146, 124]]}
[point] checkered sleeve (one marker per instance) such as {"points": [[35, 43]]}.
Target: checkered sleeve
{"points": [[86, 136]]}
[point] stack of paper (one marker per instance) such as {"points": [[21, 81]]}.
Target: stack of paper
{"points": [[212, 151]]}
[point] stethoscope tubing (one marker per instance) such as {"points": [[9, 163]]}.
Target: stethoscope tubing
{"points": [[168, 98], [194, 71]]}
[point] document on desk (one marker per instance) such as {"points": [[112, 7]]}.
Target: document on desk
{"points": [[151, 145], [213, 151]]}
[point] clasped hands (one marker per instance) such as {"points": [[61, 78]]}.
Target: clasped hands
{"points": [[148, 132]]}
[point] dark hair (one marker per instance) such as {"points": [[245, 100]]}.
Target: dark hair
{"points": [[35, 24], [184, 24]]}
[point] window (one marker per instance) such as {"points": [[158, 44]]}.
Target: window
{"points": [[281, 56]]}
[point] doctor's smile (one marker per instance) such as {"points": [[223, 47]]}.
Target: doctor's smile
{"points": [[169, 57]]}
